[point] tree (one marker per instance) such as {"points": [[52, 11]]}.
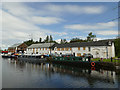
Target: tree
{"points": [[63, 41], [77, 40], [54, 42], [29, 42], [47, 39], [51, 39], [90, 37], [117, 47], [36, 42], [5, 49], [40, 40]]}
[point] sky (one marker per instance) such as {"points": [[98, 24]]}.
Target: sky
{"points": [[63, 20]]}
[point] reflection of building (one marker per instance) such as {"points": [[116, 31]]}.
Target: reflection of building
{"points": [[17, 48], [103, 49]]}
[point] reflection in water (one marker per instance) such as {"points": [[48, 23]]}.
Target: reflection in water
{"points": [[19, 74]]}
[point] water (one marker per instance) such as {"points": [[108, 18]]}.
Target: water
{"points": [[26, 75]]}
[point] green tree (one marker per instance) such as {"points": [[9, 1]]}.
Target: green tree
{"points": [[77, 40], [5, 49], [90, 37], [36, 42], [117, 47], [54, 42], [47, 39], [29, 42], [40, 40], [51, 39], [63, 41]]}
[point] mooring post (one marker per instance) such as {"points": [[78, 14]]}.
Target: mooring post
{"points": [[111, 59]]}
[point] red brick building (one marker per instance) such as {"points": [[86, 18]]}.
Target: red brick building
{"points": [[17, 48]]}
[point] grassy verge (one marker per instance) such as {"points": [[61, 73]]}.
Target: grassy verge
{"points": [[106, 60]]}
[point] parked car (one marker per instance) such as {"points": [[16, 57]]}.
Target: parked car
{"points": [[88, 55]]}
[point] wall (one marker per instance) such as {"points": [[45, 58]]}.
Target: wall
{"points": [[22, 47], [42, 51], [96, 51]]}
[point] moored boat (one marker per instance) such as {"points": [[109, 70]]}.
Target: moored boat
{"points": [[33, 58], [85, 62]]}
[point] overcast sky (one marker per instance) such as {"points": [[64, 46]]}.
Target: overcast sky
{"points": [[61, 20]]}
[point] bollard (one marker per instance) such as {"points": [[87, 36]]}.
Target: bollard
{"points": [[111, 59]]}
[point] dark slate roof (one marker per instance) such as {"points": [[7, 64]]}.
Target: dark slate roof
{"points": [[83, 44], [41, 45], [15, 45], [108, 40]]}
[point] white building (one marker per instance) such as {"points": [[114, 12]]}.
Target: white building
{"points": [[40, 49], [99, 49]]}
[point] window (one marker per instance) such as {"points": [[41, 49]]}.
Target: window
{"points": [[83, 53], [78, 54], [36, 49], [33, 50], [66, 49], [89, 49], [58, 49], [83, 48], [62, 49], [78, 48]]}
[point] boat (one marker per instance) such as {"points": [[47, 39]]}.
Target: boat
{"points": [[5, 54], [80, 61], [33, 58], [73, 60]]}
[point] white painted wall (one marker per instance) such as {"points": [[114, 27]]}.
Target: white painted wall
{"points": [[96, 51], [30, 51]]}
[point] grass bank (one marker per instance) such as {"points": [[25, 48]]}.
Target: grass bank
{"points": [[106, 60]]}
